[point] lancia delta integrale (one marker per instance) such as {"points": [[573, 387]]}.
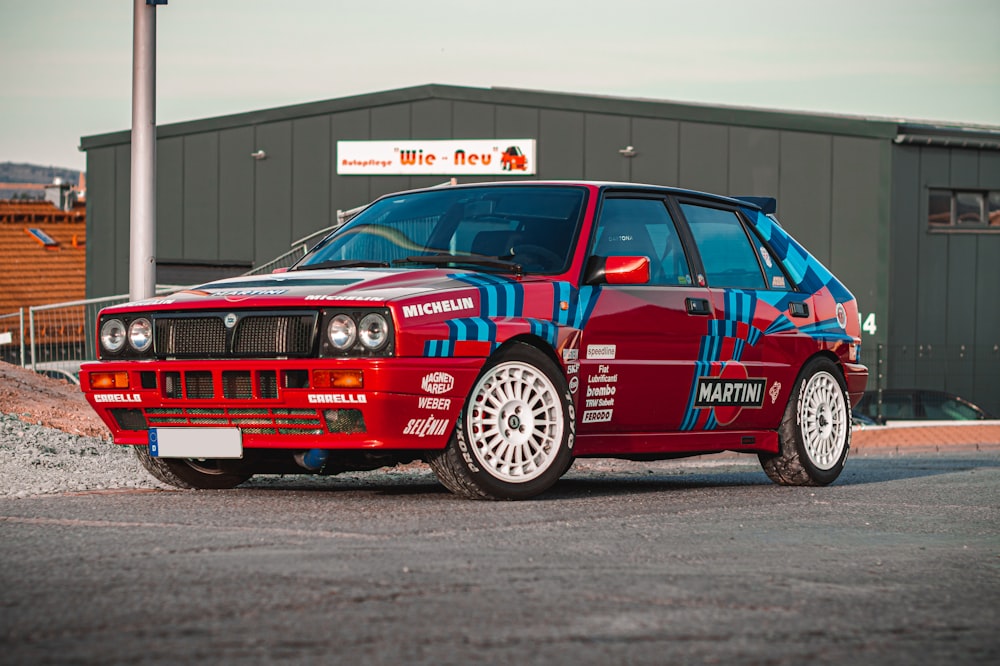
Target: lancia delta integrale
{"points": [[497, 332]]}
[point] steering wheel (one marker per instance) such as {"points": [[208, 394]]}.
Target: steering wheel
{"points": [[547, 259]]}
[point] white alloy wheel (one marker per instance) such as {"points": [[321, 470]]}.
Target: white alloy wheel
{"points": [[823, 420], [515, 422], [514, 437], [814, 436]]}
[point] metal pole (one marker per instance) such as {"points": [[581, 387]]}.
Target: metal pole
{"points": [[879, 374], [20, 313], [142, 241], [31, 323]]}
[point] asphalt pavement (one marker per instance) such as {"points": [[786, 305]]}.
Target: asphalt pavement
{"points": [[647, 563]]}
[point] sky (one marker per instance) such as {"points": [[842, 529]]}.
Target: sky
{"points": [[65, 65]]}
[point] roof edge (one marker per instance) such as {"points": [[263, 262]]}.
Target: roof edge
{"points": [[857, 126], [954, 136]]}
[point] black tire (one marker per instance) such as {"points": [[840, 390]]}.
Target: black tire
{"points": [[494, 422], [815, 432], [193, 474]]}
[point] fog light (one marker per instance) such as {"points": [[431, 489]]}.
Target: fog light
{"points": [[344, 421]]}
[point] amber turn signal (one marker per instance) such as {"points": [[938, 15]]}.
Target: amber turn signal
{"points": [[353, 379], [109, 380]]}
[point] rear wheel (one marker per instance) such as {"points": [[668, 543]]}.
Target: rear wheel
{"points": [[193, 474], [514, 437], [815, 432]]}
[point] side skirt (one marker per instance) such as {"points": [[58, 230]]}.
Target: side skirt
{"points": [[692, 443]]}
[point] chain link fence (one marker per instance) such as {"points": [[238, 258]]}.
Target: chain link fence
{"points": [[57, 338]]}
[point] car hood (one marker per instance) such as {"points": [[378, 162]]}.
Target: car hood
{"points": [[309, 288]]}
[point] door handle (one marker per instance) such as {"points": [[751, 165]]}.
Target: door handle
{"points": [[697, 306], [797, 309]]}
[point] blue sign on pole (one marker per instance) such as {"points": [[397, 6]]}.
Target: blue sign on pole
{"points": [[156, 2]]}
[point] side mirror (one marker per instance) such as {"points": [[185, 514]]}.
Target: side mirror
{"points": [[617, 270]]}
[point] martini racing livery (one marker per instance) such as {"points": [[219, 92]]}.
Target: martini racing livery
{"points": [[497, 332]]}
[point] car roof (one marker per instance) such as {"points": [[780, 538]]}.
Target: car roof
{"points": [[766, 204]]}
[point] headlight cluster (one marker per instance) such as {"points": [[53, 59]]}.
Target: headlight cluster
{"points": [[357, 334], [116, 333]]}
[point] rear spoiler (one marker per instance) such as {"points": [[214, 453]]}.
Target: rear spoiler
{"points": [[767, 205]]}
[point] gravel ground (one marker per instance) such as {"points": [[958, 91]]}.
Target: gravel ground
{"points": [[36, 460], [51, 441]]}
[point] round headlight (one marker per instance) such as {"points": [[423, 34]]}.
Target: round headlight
{"points": [[373, 331], [342, 332], [113, 335], [140, 334]]}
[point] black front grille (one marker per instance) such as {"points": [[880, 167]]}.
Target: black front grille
{"points": [[251, 421], [200, 337], [248, 335], [172, 387], [267, 383], [281, 335], [198, 385], [235, 384], [346, 421]]}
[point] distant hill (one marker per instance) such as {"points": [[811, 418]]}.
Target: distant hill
{"points": [[33, 173]]}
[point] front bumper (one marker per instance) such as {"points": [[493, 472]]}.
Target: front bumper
{"points": [[404, 403]]}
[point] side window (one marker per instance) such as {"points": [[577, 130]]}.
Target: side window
{"points": [[729, 259], [643, 228], [898, 406]]}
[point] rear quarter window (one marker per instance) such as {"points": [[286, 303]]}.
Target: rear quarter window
{"points": [[726, 253]]}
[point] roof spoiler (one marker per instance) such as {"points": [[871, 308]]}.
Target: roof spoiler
{"points": [[768, 205]]}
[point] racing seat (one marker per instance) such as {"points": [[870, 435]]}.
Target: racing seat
{"points": [[628, 238]]}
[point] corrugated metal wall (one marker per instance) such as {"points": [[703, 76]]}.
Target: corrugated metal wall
{"points": [[838, 183], [944, 308], [843, 190], [215, 203]]}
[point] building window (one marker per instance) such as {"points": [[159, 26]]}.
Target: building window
{"points": [[963, 210]]}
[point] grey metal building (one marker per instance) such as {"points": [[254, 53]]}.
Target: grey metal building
{"points": [[907, 214]]}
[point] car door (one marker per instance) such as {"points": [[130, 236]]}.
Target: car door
{"points": [[754, 348], [640, 345]]}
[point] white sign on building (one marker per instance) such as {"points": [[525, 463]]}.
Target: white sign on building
{"points": [[458, 157]]}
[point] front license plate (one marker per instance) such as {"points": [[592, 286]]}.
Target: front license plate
{"points": [[195, 443]]}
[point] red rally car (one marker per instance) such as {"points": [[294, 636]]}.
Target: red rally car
{"points": [[497, 331]]}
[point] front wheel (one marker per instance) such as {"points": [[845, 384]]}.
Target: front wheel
{"points": [[193, 474], [815, 431], [514, 437]]}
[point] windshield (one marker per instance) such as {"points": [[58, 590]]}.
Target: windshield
{"points": [[516, 229]]}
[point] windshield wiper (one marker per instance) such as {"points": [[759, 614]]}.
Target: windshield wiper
{"points": [[462, 258], [344, 263]]}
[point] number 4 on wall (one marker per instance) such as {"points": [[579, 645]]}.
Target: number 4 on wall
{"points": [[868, 325]]}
